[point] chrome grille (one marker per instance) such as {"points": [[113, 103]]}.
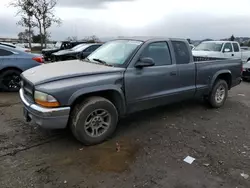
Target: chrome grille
{"points": [[28, 90]]}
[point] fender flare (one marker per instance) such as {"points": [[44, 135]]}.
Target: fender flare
{"points": [[216, 75], [94, 89]]}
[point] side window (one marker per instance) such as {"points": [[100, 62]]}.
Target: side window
{"points": [[159, 52], [182, 54], [5, 52], [236, 47], [228, 45]]}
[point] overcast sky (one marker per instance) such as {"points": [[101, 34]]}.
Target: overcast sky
{"points": [[195, 19]]}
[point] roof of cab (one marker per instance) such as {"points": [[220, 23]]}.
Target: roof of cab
{"points": [[148, 38], [219, 41]]}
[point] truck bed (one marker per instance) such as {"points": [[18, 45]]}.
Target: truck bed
{"points": [[200, 58], [207, 69]]}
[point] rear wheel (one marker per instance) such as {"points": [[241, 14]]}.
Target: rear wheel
{"points": [[218, 94], [94, 120], [10, 80]]}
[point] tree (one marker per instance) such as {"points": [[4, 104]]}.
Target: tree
{"points": [[73, 38], [232, 38], [25, 10], [92, 39], [37, 38], [37, 13], [44, 14], [25, 35]]}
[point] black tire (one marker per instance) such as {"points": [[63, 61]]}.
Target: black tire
{"points": [[212, 97], [10, 80], [81, 114]]}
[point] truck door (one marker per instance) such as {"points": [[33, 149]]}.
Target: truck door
{"points": [[227, 50], [186, 70], [152, 86], [237, 52]]}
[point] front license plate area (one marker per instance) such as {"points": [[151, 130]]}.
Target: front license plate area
{"points": [[26, 115]]}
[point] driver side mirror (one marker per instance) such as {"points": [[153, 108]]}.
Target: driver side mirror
{"points": [[226, 50], [145, 62]]}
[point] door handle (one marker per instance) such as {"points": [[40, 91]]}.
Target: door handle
{"points": [[232, 54], [173, 73]]}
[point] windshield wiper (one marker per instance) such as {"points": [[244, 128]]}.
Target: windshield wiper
{"points": [[100, 61]]}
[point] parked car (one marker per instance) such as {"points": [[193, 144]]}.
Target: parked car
{"points": [[15, 47], [221, 49], [246, 71], [121, 77], [79, 51], [59, 46], [12, 63]]}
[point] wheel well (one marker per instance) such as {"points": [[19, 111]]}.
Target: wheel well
{"points": [[227, 77], [111, 95], [10, 68], [248, 59]]}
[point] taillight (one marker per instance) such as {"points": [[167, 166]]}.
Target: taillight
{"points": [[38, 59]]}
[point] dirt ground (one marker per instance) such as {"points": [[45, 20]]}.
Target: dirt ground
{"points": [[152, 144]]}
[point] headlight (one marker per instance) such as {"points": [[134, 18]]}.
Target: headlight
{"points": [[45, 100]]}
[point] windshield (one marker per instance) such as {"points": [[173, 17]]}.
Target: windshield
{"points": [[115, 52], [209, 46], [58, 44]]}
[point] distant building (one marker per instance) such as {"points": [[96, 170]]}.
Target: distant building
{"points": [[11, 40]]}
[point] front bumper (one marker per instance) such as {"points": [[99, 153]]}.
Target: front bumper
{"points": [[48, 118]]}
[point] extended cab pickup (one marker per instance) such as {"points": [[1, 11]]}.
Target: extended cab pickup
{"points": [[221, 49], [121, 77]]}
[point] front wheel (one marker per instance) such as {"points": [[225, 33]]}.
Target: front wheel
{"points": [[10, 80], [94, 121], [218, 94]]}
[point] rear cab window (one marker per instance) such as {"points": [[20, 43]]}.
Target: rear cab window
{"points": [[236, 47], [182, 54]]}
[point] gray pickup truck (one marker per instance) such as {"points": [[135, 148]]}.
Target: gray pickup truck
{"points": [[121, 77]]}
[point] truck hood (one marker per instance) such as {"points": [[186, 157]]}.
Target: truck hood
{"points": [[66, 69], [206, 53]]}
